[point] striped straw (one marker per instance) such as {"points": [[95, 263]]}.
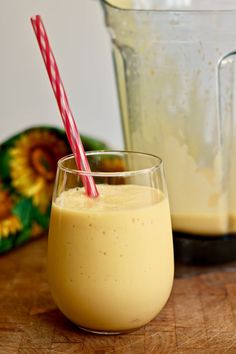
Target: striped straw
{"points": [[63, 104]]}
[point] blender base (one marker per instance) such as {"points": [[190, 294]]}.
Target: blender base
{"points": [[193, 249]]}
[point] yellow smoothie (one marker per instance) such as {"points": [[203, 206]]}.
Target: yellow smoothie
{"points": [[110, 259]]}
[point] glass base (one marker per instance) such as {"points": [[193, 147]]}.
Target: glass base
{"points": [[193, 249], [107, 333]]}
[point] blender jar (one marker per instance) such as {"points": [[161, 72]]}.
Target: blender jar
{"points": [[174, 65]]}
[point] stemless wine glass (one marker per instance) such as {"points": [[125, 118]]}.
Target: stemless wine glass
{"points": [[110, 258]]}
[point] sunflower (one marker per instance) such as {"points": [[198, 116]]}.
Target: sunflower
{"points": [[9, 223], [33, 165]]}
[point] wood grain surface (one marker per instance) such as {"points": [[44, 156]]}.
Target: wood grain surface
{"points": [[199, 318]]}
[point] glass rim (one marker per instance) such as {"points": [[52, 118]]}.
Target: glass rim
{"points": [[190, 11], [156, 166]]}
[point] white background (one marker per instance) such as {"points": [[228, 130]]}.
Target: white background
{"points": [[82, 48]]}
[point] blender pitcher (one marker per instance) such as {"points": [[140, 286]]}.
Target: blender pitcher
{"points": [[174, 65]]}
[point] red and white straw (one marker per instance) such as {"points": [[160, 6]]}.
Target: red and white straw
{"points": [[63, 104]]}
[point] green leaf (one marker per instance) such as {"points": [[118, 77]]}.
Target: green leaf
{"points": [[41, 219], [22, 237], [24, 210], [11, 141], [6, 243], [4, 163], [92, 143]]}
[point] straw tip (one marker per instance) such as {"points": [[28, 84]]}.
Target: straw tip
{"points": [[33, 18]]}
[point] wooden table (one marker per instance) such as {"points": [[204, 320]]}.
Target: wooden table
{"points": [[200, 316]]}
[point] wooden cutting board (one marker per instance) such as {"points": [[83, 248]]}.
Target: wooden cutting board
{"points": [[200, 316]]}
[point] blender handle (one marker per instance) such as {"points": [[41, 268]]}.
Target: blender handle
{"points": [[225, 95]]}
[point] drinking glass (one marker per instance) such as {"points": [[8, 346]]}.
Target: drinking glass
{"points": [[110, 258]]}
